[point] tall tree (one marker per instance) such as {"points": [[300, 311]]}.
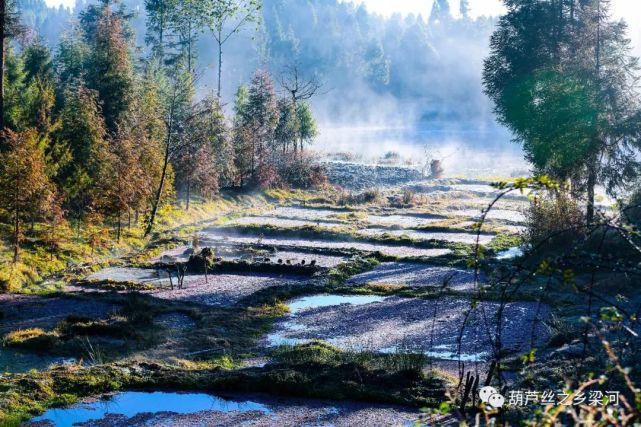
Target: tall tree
{"points": [[300, 89], [440, 13], [159, 21], [109, 69], [9, 27], [187, 21], [241, 141], [81, 150], [25, 189], [562, 79], [177, 104], [226, 18], [464, 8], [260, 118]]}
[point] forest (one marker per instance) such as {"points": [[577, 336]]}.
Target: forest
{"points": [[177, 247]]}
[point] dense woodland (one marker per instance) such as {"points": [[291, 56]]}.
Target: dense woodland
{"points": [[114, 109], [411, 68], [97, 131]]}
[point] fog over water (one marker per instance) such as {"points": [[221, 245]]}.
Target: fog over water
{"points": [[468, 152]]}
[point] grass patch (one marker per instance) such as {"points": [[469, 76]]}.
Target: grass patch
{"points": [[33, 339], [332, 376], [88, 245]]}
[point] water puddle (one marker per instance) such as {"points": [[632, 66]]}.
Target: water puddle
{"points": [[511, 253], [130, 404], [500, 214], [416, 275], [212, 238], [405, 221], [469, 238], [328, 300]]}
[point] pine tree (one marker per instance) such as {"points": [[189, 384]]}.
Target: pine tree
{"points": [[562, 79], [25, 189], [109, 64], [80, 149]]}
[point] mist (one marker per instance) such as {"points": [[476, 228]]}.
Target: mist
{"points": [[407, 84]]}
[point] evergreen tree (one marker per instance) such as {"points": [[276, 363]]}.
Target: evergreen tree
{"points": [[25, 189], [109, 64], [562, 79], [81, 150]]}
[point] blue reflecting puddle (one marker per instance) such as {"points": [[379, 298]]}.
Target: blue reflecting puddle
{"points": [[515, 252], [328, 300], [440, 352], [130, 404], [315, 301]]}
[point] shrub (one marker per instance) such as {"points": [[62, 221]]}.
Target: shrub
{"points": [[302, 171], [390, 158], [368, 196], [632, 211], [553, 215], [33, 338], [408, 197]]}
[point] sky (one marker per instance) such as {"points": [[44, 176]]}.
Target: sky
{"points": [[628, 9]]}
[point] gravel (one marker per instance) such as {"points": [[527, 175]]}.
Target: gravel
{"points": [[30, 311], [358, 176], [214, 289], [225, 289], [429, 326], [211, 238], [415, 275]]}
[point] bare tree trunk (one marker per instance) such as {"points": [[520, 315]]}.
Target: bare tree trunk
{"points": [[16, 231], [161, 186], [593, 164], [220, 65], [188, 193], [163, 176], [3, 21], [592, 178], [119, 225]]}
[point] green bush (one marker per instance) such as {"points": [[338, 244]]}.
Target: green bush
{"points": [[555, 217]]}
